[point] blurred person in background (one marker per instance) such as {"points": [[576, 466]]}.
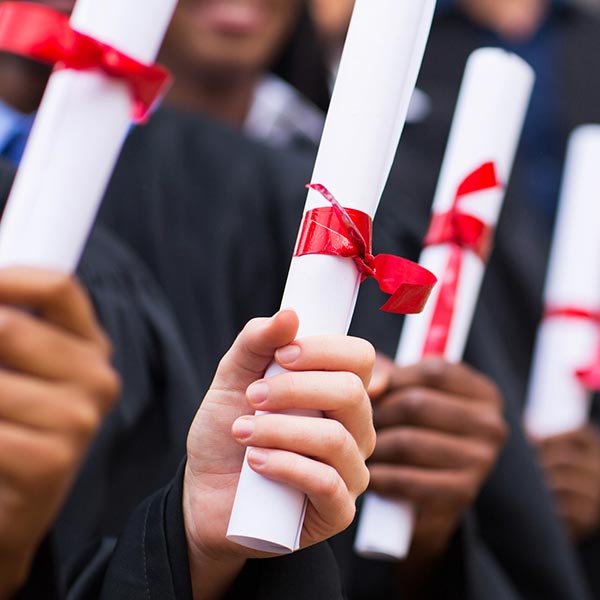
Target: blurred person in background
{"points": [[230, 61], [562, 43]]}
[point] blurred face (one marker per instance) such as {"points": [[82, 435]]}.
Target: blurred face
{"points": [[332, 17], [513, 19], [225, 36]]}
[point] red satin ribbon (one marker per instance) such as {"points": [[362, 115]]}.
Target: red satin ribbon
{"points": [[45, 35], [346, 232], [589, 376], [463, 232]]}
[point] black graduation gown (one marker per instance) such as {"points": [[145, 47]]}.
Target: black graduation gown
{"points": [[501, 341]]}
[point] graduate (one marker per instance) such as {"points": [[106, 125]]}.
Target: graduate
{"points": [[560, 42]]}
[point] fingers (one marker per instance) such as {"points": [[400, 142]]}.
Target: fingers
{"points": [[253, 351], [38, 348], [439, 411], [329, 353], [438, 374], [324, 440], [340, 395], [431, 450], [333, 506], [36, 405], [54, 296], [422, 487]]}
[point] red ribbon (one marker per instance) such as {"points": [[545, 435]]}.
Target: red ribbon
{"points": [[588, 376], [346, 232], [45, 35], [463, 232]]}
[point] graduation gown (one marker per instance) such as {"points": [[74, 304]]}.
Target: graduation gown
{"points": [[215, 217], [510, 306]]}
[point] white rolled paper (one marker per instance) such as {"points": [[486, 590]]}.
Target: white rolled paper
{"points": [[557, 401], [383, 52], [486, 128], [78, 133]]}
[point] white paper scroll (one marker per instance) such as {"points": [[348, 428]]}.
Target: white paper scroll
{"points": [[76, 139], [557, 401], [487, 126], [378, 71]]}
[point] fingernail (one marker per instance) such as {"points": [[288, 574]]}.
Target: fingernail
{"points": [[288, 354], [257, 457], [243, 428], [257, 393]]}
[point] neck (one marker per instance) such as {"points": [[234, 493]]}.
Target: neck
{"points": [[227, 99], [22, 82]]}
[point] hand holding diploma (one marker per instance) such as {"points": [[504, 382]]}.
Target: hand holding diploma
{"points": [[566, 359], [378, 71], [323, 458], [483, 141], [51, 405], [104, 79]]}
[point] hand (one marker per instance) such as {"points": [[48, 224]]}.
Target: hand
{"points": [[439, 432], [323, 457], [571, 464], [56, 383]]}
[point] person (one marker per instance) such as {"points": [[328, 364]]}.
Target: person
{"points": [[43, 448], [560, 42], [227, 58]]}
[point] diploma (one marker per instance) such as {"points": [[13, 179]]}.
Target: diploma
{"points": [[566, 359], [82, 122], [483, 140], [378, 71]]}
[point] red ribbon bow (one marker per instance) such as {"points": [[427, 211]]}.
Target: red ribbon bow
{"points": [[463, 232], [588, 376], [346, 232], [45, 35]]}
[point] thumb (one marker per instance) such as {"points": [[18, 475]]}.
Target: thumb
{"points": [[253, 350]]}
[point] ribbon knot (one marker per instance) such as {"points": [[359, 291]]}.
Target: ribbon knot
{"points": [[464, 232], [347, 233], [45, 35], [588, 376]]}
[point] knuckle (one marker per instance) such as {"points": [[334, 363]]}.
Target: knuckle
{"points": [[402, 442], [336, 439], [412, 404], [370, 442], [354, 390], [106, 386], [11, 325], [330, 484], [433, 370], [369, 354], [346, 513], [61, 286], [364, 479]]}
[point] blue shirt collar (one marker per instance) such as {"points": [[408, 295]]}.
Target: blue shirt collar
{"points": [[12, 121]]}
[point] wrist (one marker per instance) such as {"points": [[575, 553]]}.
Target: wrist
{"points": [[214, 563]]}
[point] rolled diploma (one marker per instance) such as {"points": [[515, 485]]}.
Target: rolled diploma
{"points": [[76, 139], [383, 52], [557, 401], [487, 126]]}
